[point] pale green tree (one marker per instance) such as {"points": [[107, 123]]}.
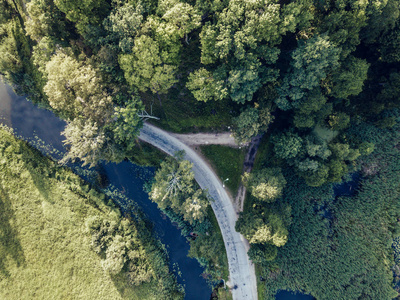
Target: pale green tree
{"points": [[174, 187], [204, 86], [46, 20], [123, 23], [266, 184], [184, 17], [115, 256], [90, 143], [272, 230], [42, 53], [194, 207], [75, 89], [145, 69]]}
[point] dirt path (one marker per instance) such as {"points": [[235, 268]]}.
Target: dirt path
{"points": [[242, 278], [248, 166], [193, 139]]}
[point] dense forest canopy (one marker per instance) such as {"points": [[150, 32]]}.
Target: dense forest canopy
{"points": [[295, 68], [305, 73]]}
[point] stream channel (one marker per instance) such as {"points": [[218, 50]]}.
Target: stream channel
{"points": [[28, 120]]}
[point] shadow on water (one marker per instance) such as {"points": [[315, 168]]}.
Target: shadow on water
{"points": [[348, 188], [10, 246], [287, 295], [29, 121]]}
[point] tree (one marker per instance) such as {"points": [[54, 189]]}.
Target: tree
{"points": [[246, 125], [389, 46], [349, 79], [46, 20], [311, 111], [239, 29], [339, 121], [83, 12], [127, 123], [183, 16], [174, 187], [287, 145], [10, 60], [42, 53], [194, 207], [343, 151], [382, 18], [244, 80], [145, 69], [75, 89], [317, 177], [266, 185], [205, 86], [337, 169], [366, 148], [312, 61], [272, 230], [124, 23], [343, 25], [89, 142], [260, 253]]}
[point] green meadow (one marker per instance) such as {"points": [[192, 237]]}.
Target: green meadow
{"points": [[61, 239]]}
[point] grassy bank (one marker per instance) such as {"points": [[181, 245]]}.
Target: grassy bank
{"points": [[63, 240], [227, 162]]}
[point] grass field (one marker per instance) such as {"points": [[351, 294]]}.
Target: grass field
{"points": [[45, 246], [227, 162]]}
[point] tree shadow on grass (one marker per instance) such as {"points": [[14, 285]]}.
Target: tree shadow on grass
{"points": [[10, 246], [38, 166]]}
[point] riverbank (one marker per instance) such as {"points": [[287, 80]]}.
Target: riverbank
{"points": [[47, 224], [30, 121], [5, 105]]}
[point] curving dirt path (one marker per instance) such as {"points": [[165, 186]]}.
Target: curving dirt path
{"points": [[241, 270]]}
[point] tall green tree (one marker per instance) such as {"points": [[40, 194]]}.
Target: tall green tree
{"points": [[174, 187], [311, 62]]}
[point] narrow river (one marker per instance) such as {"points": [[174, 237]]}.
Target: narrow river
{"points": [[28, 120]]}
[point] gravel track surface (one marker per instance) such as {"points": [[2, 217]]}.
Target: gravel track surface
{"points": [[224, 138], [241, 270]]}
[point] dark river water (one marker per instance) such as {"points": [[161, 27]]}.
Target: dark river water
{"points": [[28, 120], [287, 295]]}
